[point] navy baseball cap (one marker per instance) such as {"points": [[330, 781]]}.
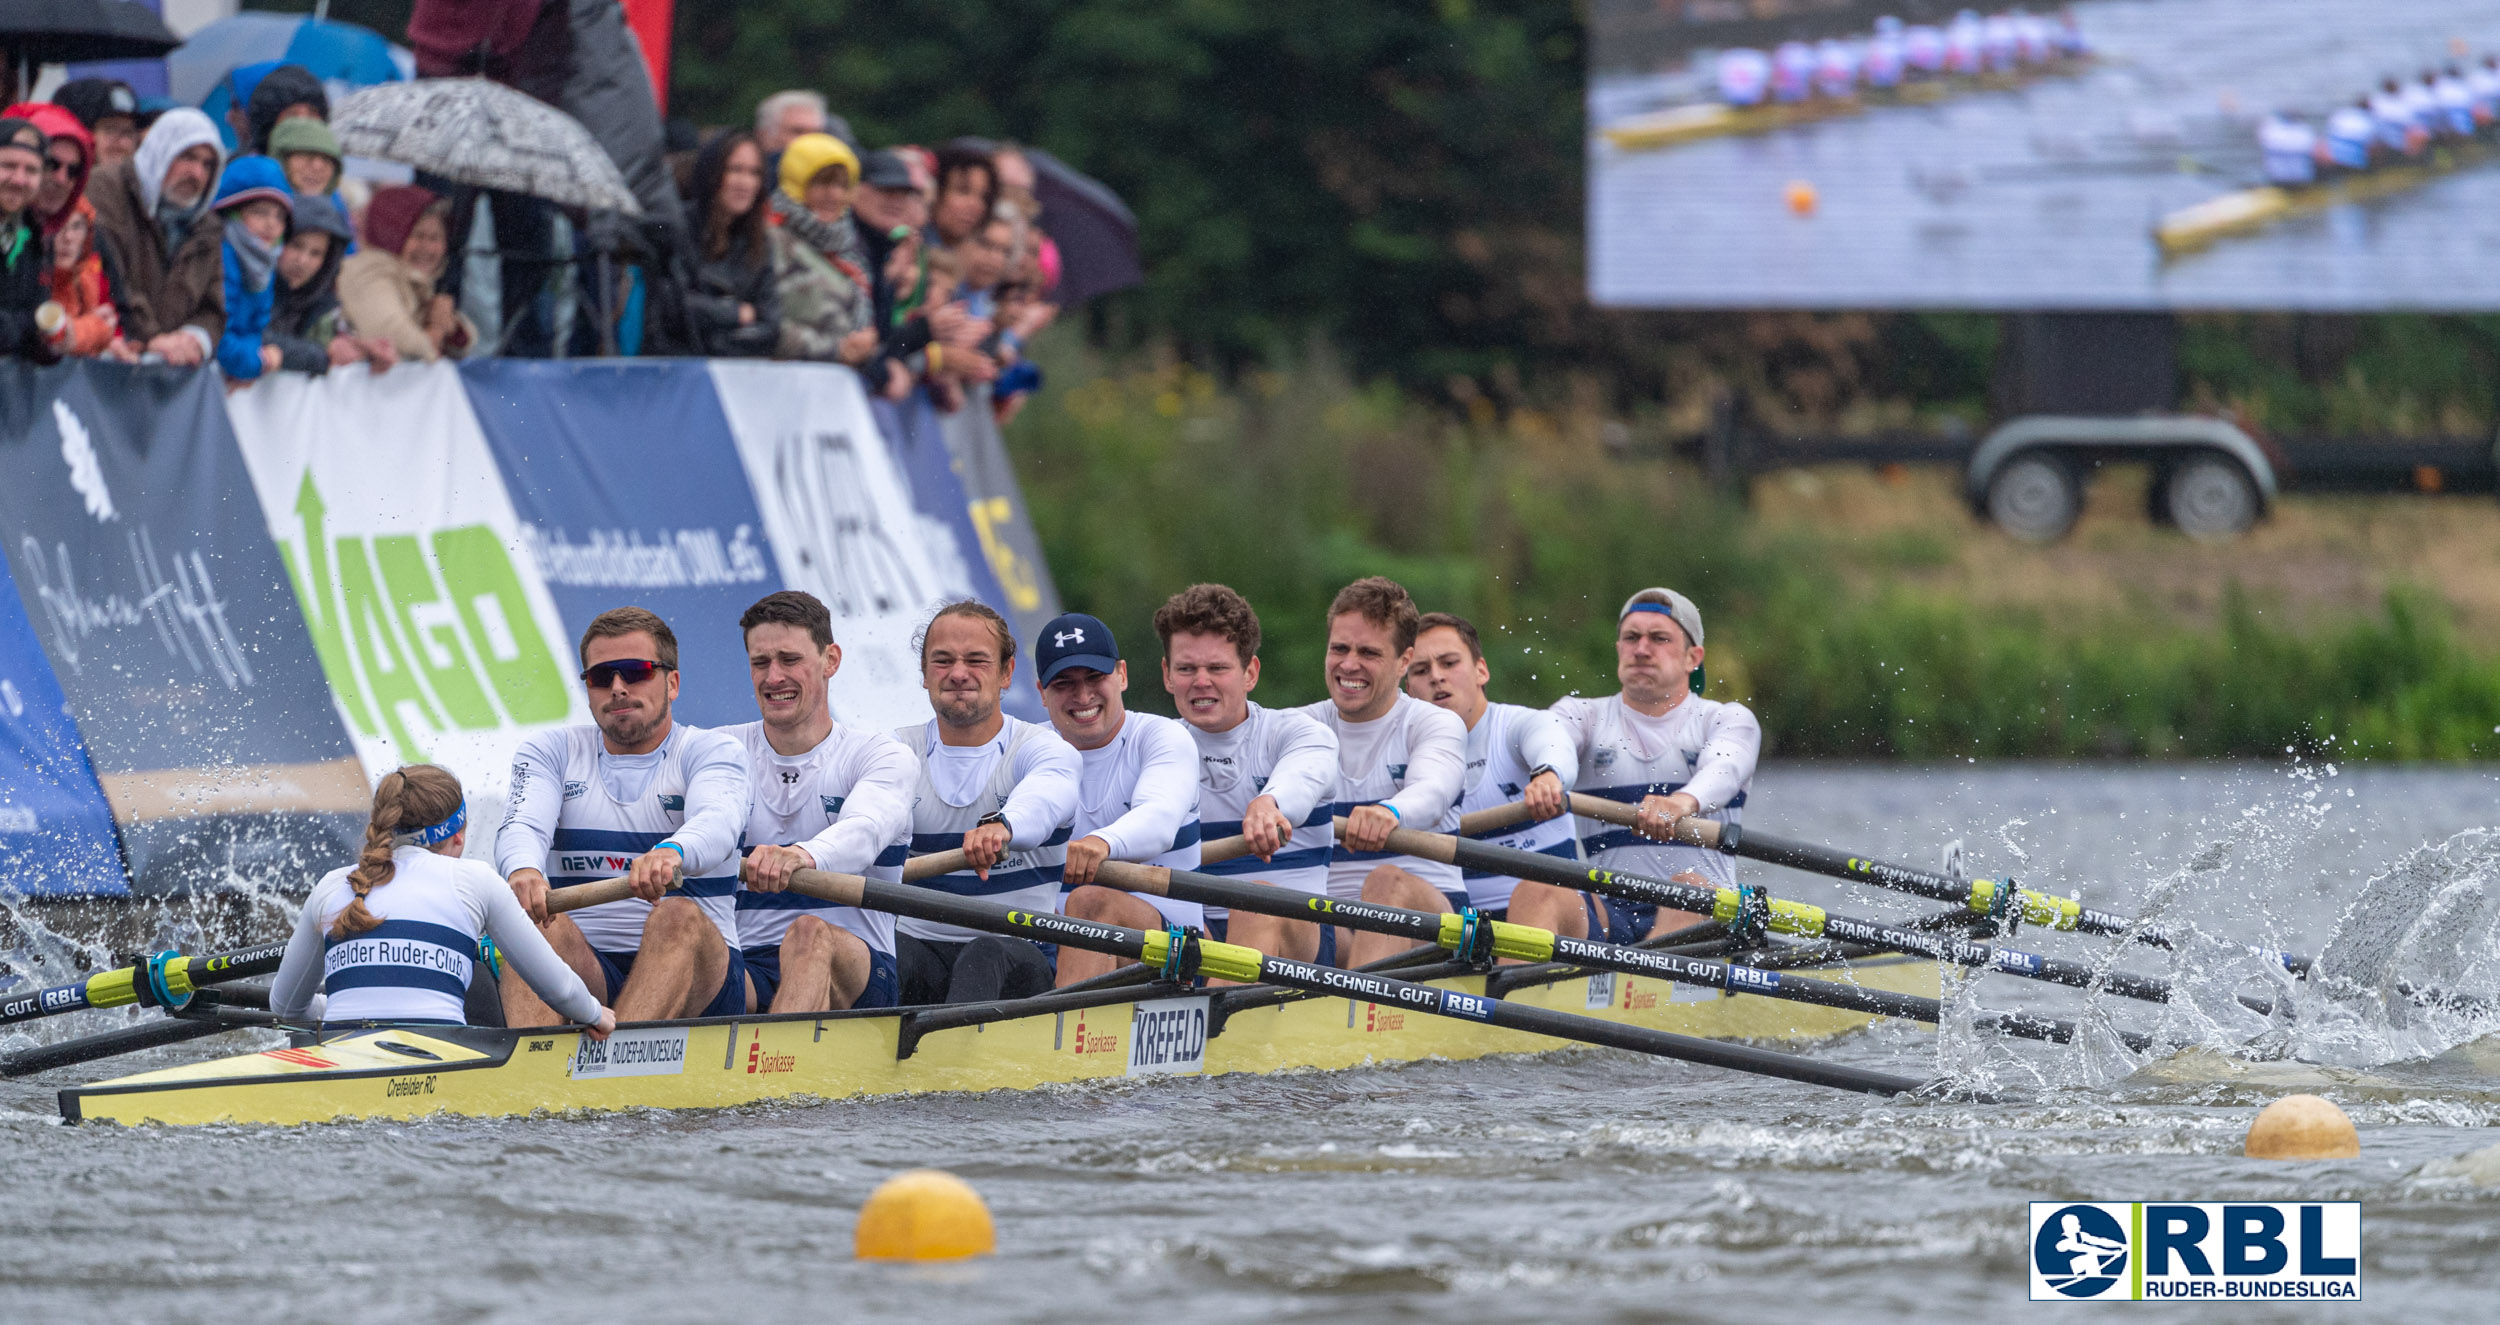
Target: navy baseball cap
{"points": [[1073, 639]]}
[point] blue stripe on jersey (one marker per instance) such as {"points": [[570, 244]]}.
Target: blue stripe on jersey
{"points": [[1187, 836], [923, 844], [420, 931], [606, 839], [783, 901], [720, 885], [1216, 830], [893, 856], [969, 884], [392, 976], [1251, 866], [1566, 849]]}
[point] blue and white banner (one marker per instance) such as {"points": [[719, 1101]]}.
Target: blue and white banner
{"points": [[255, 604], [143, 564], [630, 492]]}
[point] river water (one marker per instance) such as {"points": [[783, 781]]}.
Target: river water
{"points": [[1589, 1185]]}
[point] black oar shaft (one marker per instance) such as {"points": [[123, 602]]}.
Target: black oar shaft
{"points": [[1785, 917], [126, 985], [1231, 962], [1528, 943]]}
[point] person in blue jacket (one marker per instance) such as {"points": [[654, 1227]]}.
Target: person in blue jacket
{"points": [[253, 201]]}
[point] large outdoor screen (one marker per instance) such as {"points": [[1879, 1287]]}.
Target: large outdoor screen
{"points": [[2109, 154]]}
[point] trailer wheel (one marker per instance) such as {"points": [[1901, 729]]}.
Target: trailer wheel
{"points": [[2210, 498], [2035, 497]]}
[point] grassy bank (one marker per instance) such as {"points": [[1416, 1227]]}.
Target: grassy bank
{"points": [[1888, 624]]}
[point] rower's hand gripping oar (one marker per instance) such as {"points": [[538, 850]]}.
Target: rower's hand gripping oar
{"points": [[949, 861], [1482, 939], [1182, 956]]}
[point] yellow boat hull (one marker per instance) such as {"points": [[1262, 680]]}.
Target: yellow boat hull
{"points": [[1693, 123], [724, 1062], [2249, 210]]}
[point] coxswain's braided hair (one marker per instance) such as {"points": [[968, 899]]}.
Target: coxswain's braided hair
{"points": [[410, 800]]}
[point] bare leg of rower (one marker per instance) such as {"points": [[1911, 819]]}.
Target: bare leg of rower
{"points": [[1293, 940], [680, 966], [1388, 885], [1670, 921], [1563, 911], [521, 1004], [1109, 906], [823, 967]]}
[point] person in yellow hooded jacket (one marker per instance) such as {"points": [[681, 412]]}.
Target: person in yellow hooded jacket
{"points": [[819, 265]]}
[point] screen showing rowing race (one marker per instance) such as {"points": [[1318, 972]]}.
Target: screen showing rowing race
{"points": [[2317, 155]]}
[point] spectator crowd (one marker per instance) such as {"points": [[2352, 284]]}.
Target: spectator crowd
{"points": [[166, 238]]}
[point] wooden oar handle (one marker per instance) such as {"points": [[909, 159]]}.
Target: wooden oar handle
{"points": [[1499, 816], [1223, 849], [1691, 830], [561, 900], [1130, 877], [934, 864]]}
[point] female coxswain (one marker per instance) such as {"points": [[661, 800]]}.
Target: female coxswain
{"points": [[394, 936]]}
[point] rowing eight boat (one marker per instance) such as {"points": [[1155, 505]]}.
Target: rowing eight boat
{"points": [[1685, 124], [2247, 210], [1058, 1038]]}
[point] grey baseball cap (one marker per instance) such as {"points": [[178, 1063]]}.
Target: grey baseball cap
{"points": [[1676, 608]]}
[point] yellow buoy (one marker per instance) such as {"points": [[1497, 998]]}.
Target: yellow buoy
{"points": [[2302, 1127], [923, 1215], [1802, 197]]}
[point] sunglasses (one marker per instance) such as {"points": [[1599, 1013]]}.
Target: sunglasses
{"points": [[635, 671]]}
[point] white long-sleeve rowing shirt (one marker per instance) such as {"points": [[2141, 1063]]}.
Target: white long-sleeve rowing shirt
{"points": [[1414, 757], [1504, 749], [579, 814], [1702, 747], [1281, 753], [847, 803], [1139, 794], [1025, 773], [417, 964]]}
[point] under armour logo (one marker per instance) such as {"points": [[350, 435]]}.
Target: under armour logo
{"points": [[1065, 638], [789, 776]]}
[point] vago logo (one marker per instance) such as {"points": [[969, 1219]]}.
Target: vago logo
{"points": [[414, 631]]}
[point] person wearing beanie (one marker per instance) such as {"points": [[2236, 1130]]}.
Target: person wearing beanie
{"points": [[25, 259], [387, 288], [166, 264], [253, 202], [827, 311], [268, 95], [309, 153], [109, 110]]}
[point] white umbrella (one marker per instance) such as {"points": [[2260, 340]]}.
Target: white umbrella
{"points": [[486, 135]]}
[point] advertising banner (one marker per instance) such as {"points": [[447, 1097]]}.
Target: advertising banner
{"points": [[841, 515], [440, 639], [141, 557], [630, 491], [56, 833], [996, 504]]}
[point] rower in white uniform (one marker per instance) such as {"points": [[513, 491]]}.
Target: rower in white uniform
{"points": [[1400, 763], [1744, 76], [1268, 775], [1885, 56], [1660, 745], [2400, 132], [827, 797], [394, 937], [2483, 82], [1514, 753], [2456, 102], [2351, 136], [2289, 149], [642, 795], [1000, 788], [1137, 800]]}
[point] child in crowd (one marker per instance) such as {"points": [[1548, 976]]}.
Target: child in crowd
{"points": [[77, 281], [309, 151], [252, 199], [304, 319]]}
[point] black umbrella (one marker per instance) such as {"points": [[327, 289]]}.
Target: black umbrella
{"points": [[38, 32], [1095, 231]]}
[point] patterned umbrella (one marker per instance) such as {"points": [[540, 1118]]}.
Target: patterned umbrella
{"points": [[471, 131]]}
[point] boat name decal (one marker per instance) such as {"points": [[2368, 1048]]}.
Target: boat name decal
{"points": [[1168, 1036], [402, 1087]]}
